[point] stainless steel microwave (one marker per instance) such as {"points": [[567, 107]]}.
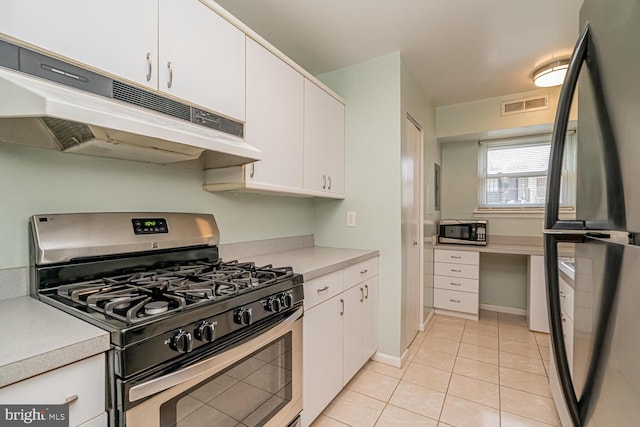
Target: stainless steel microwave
{"points": [[461, 232]]}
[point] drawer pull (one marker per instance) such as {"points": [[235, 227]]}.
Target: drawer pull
{"points": [[69, 400], [454, 300], [365, 271], [456, 257], [456, 271], [456, 284], [323, 289], [562, 295]]}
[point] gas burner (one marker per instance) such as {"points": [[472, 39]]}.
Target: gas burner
{"points": [[121, 303], [156, 307]]}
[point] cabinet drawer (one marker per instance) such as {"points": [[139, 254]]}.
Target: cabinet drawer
{"points": [[322, 288], [456, 283], [566, 298], [456, 301], [458, 257], [84, 379], [456, 270], [360, 272]]}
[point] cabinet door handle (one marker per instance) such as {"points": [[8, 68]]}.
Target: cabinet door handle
{"points": [[366, 296], [455, 284], [326, 288], [361, 294], [365, 271], [342, 302], [149, 66], [69, 400], [324, 182], [170, 68], [329, 183], [253, 170], [456, 271], [454, 300], [562, 295]]}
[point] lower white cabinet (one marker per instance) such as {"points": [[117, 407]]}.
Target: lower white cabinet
{"points": [[456, 283], [340, 332], [81, 384]]}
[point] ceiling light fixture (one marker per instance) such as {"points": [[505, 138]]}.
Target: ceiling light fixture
{"points": [[551, 74]]}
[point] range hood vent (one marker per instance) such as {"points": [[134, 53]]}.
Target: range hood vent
{"points": [[74, 110], [524, 105]]}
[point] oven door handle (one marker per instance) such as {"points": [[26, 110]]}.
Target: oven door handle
{"points": [[213, 364]]}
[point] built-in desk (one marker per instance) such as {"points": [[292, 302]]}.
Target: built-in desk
{"points": [[446, 296]]}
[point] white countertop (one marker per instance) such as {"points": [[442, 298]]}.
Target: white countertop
{"points": [[315, 261], [37, 338]]}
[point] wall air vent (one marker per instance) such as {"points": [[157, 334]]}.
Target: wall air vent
{"points": [[524, 105]]}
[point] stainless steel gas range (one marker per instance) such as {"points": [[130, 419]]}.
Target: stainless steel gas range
{"points": [[195, 340]]}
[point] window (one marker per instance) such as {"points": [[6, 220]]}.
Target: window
{"points": [[513, 172]]}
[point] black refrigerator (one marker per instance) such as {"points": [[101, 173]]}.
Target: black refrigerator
{"points": [[596, 355]]}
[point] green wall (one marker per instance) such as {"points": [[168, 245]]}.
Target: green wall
{"points": [[34, 181], [371, 90]]}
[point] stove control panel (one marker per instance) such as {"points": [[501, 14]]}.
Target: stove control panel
{"points": [[149, 225]]}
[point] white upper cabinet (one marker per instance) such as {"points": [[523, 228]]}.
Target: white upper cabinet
{"points": [[180, 47], [274, 119], [115, 36], [201, 57], [323, 142]]}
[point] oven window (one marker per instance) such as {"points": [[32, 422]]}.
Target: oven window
{"points": [[248, 393]]}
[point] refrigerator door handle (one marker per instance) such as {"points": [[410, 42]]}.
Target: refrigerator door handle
{"points": [[555, 324], [558, 136]]}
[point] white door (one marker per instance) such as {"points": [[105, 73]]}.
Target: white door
{"points": [[412, 227], [274, 118], [201, 57], [117, 36]]}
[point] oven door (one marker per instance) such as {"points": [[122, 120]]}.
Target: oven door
{"points": [[255, 383]]}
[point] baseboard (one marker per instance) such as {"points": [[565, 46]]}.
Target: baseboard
{"points": [[501, 309], [428, 320], [390, 360]]}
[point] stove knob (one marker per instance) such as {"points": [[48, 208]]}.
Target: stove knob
{"points": [[287, 299], [205, 332], [243, 316], [273, 304], [182, 342]]}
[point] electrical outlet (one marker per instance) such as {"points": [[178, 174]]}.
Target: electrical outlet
{"points": [[351, 219]]}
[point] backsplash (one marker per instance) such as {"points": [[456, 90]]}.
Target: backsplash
{"points": [[14, 282]]}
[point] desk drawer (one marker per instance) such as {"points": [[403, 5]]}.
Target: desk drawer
{"points": [[458, 257], [456, 283], [466, 302], [322, 288], [456, 270], [360, 272]]}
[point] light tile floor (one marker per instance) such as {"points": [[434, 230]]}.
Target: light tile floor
{"points": [[493, 372]]}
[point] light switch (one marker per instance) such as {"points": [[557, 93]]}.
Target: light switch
{"points": [[351, 219]]}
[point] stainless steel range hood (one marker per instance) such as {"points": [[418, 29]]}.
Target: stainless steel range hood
{"points": [[51, 104]]}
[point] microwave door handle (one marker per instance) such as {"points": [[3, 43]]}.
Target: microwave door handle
{"points": [[558, 137], [212, 364]]}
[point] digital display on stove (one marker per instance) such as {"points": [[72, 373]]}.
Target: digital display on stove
{"points": [[149, 225]]}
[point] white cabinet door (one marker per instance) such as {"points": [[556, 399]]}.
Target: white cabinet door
{"points": [[274, 119], [323, 141], [370, 319], [322, 357], [84, 379], [352, 330], [113, 36], [201, 57]]}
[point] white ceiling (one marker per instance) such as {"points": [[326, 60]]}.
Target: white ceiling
{"points": [[460, 50]]}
